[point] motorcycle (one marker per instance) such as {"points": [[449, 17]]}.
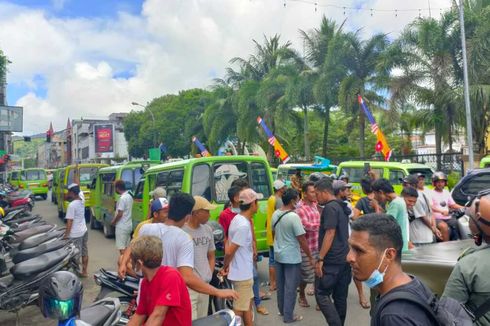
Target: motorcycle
{"points": [[19, 287]]}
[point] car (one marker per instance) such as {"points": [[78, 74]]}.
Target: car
{"points": [[485, 162]]}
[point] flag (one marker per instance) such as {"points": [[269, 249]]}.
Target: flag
{"points": [[381, 145], [278, 149], [204, 151]]}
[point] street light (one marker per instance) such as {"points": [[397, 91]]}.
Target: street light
{"points": [[146, 107]]}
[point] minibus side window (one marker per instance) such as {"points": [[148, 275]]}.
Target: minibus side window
{"points": [[127, 177], [260, 179], [200, 181], [225, 174], [171, 181]]}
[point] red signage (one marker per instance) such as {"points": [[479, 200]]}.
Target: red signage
{"points": [[104, 142]]}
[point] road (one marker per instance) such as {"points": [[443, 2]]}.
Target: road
{"points": [[102, 253]]}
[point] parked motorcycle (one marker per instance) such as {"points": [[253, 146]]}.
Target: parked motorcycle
{"points": [[60, 298], [18, 288], [225, 317]]}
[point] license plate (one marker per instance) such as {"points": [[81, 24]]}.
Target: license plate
{"points": [[34, 185]]}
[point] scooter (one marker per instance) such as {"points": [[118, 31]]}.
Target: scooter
{"points": [[19, 288]]}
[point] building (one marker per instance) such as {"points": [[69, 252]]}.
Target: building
{"points": [[426, 143], [97, 140], [53, 154]]}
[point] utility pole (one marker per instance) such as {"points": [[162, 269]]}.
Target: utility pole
{"points": [[469, 126]]}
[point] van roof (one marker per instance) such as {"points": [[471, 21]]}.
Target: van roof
{"points": [[128, 164], [384, 164], [208, 159]]}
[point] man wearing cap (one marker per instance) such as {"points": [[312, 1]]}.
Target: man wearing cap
{"points": [[273, 204], [158, 192], [76, 229], [422, 222], [158, 211], [204, 252], [238, 262]]}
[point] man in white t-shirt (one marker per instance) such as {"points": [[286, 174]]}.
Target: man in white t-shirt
{"points": [[76, 229], [178, 247], [238, 262], [122, 220]]}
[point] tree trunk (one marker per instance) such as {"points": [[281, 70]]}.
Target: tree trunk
{"points": [[362, 124], [325, 130], [438, 147], [306, 133]]}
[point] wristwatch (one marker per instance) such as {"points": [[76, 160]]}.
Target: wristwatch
{"points": [[320, 259]]}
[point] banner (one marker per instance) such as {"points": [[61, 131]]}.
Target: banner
{"points": [[278, 149], [104, 140], [381, 145], [200, 146]]}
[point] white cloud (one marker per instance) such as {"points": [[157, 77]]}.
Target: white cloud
{"points": [[172, 45]]}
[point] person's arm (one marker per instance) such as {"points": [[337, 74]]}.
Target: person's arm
{"points": [[157, 316], [304, 246], [117, 217], [137, 320], [356, 213], [69, 224], [198, 285], [230, 251], [326, 245], [211, 259], [121, 272]]}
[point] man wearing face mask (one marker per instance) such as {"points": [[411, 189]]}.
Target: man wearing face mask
{"points": [[467, 283], [375, 257]]}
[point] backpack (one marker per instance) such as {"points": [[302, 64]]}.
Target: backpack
{"points": [[443, 312]]}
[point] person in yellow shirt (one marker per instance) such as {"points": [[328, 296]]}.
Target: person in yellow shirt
{"points": [[273, 203]]}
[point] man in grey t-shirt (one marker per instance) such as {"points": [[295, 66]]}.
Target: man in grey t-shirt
{"points": [[204, 252]]}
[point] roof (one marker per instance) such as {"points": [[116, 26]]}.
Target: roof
{"points": [[207, 160], [386, 164]]}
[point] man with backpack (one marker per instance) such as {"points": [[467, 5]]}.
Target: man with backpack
{"points": [[375, 252], [469, 282]]}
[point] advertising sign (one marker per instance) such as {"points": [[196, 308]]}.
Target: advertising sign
{"points": [[104, 138]]}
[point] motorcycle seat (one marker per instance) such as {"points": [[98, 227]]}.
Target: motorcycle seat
{"points": [[213, 320], [5, 281], [96, 315], [33, 252], [22, 235], [128, 279], [39, 238], [31, 267], [22, 219]]}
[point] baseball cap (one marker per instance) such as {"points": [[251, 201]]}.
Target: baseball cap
{"points": [[73, 187], [410, 179], [202, 203], [338, 185], [420, 175], [248, 196], [278, 184], [158, 204], [158, 192]]}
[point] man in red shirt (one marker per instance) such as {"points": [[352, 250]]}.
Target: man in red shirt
{"points": [[164, 299], [229, 213]]}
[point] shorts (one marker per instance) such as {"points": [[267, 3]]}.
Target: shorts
{"points": [[81, 243], [307, 271], [199, 304], [451, 222], [123, 238], [272, 261], [245, 294]]}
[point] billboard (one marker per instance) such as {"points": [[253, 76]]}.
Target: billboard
{"points": [[104, 140], [11, 118]]}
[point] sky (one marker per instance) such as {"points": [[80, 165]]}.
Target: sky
{"points": [[89, 58]]}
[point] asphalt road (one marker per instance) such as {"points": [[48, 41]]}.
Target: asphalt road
{"points": [[102, 253]]}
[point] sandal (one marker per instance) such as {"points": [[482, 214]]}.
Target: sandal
{"points": [[296, 318], [266, 296], [262, 310], [303, 303]]}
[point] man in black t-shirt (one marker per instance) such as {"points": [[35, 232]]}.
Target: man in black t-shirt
{"points": [[375, 256], [332, 271]]}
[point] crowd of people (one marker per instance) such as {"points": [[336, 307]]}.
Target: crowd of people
{"points": [[319, 241]]}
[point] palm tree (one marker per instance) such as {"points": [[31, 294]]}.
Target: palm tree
{"points": [[429, 64], [368, 73], [325, 55]]}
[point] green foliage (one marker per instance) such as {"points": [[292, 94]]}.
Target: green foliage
{"points": [[27, 149]]}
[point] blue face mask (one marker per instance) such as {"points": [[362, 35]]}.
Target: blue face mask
{"points": [[376, 277], [235, 210]]}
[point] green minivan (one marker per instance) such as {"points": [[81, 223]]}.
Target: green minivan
{"points": [[14, 178], [85, 173], [210, 177], [485, 162], [104, 195], [35, 180], [393, 171]]}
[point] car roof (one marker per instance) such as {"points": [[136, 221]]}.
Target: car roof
{"points": [[209, 159], [442, 252], [379, 164]]}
